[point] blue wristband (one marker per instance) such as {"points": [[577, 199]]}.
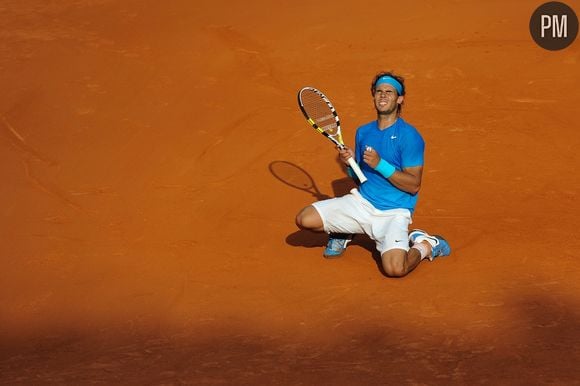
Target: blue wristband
{"points": [[385, 168]]}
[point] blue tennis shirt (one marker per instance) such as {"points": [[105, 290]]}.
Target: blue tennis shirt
{"points": [[402, 146]]}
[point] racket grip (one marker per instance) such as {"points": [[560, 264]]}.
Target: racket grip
{"points": [[356, 169]]}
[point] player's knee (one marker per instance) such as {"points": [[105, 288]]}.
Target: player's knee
{"points": [[299, 220], [302, 219], [307, 218], [393, 267], [394, 271]]}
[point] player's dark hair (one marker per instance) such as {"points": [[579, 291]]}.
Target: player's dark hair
{"points": [[399, 79]]}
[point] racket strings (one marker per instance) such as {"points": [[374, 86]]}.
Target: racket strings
{"points": [[320, 112]]}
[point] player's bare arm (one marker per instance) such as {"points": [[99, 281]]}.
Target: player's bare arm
{"points": [[408, 180]]}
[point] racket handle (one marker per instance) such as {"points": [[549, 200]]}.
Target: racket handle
{"points": [[356, 169]]}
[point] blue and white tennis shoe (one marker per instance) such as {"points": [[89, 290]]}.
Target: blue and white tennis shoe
{"points": [[336, 245], [439, 246]]}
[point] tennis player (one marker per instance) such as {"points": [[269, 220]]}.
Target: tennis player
{"points": [[391, 155]]}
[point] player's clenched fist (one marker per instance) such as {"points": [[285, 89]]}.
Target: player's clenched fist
{"points": [[371, 157]]}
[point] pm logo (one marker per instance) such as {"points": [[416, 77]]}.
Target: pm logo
{"points": [[554, 26]]}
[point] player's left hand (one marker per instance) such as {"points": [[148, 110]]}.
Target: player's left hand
{"points": [[371, 157]]}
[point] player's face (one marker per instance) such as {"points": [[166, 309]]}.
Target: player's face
{"points": [[386, 99]]}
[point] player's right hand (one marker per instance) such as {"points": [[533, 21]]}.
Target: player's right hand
{"points": [[345, 153]]}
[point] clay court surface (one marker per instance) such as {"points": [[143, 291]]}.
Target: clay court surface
{"points": [[147, 153]]}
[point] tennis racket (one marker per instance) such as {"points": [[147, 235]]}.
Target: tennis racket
{"points": [[321, 115]]}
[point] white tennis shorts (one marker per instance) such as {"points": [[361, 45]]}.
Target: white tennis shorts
{"points": [[353, 214]]}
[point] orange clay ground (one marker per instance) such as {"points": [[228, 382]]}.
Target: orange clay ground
{"points": [[147, 220]]}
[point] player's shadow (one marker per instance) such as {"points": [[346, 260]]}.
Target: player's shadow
{"points": [[298, 178]]}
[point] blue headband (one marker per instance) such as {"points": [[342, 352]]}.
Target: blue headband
{"points": [[392, 81]]}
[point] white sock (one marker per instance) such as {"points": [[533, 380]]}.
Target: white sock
{"points": [[423, 250], [430, 239]]}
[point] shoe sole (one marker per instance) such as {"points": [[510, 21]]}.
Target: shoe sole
{"points": [[332, 256]]}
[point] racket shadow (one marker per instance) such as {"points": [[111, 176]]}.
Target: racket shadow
{"points": [[296, 177]]}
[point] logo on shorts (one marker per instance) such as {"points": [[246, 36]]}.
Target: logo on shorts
{"points": [[554, 26]]}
